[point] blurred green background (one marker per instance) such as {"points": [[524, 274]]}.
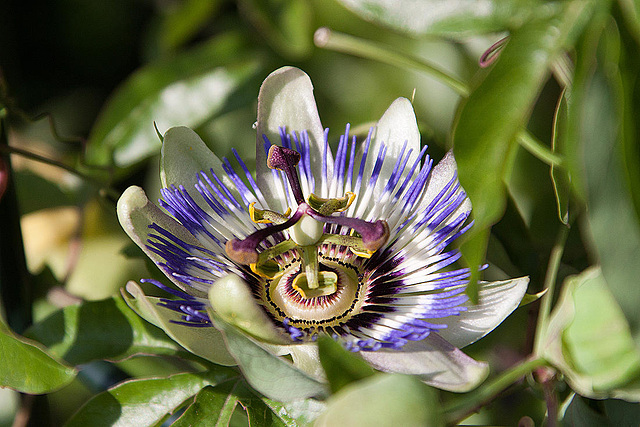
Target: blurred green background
{"points": [[84, 82]]}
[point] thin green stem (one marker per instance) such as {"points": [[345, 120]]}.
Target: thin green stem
{"points": [[37, 157], [549, 285], [535, 147], [461, 408], [340, 42]]}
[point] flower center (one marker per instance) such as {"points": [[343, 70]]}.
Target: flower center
{"points": [[339, 294], [306, 231], [312, 281]]}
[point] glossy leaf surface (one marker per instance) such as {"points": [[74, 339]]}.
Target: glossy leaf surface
{"points": [[186, 90], [213, 406], [27, 368], [451, 18], [497, 109], [145, 401], [100, 330]]}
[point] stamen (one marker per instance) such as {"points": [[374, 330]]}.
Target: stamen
{"points": [[245, 251], [285, 160], [305, 234], [266, 266], [329, 206], [266, 216], [374, 234], [354, 243]]}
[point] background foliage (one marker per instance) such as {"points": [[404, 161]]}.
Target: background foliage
{"points": [[546, 139]]}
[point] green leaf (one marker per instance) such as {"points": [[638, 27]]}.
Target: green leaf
{"points": [[146, 401], [498, 108], [586, 50], [213, 406], [341, 366], [261, 414], [186, 90], [588, 339], [489, 120], [631, 16], [269, 374], [298, 412], [580, 413], [384, 399], [599, 145], [99, 330], [629, 71], [285, 24], [27, 368], [444, 17], [204, 342], [183, 22]]}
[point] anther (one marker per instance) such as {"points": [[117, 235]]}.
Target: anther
{"points": [[374, 234], [245, 251]]}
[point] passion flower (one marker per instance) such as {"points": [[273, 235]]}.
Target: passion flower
{"points": [[353, 245]]}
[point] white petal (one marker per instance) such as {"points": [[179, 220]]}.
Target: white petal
{"points": [[136, 213], [184, 155], [286, 99], [439, 177], [496, 301], [396, 126], [204, 342], [434, 360]]}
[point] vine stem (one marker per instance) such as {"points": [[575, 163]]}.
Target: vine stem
{"points": [[549, 284], [461, 408], [7, 149], [340, 42], [535, 147]]}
